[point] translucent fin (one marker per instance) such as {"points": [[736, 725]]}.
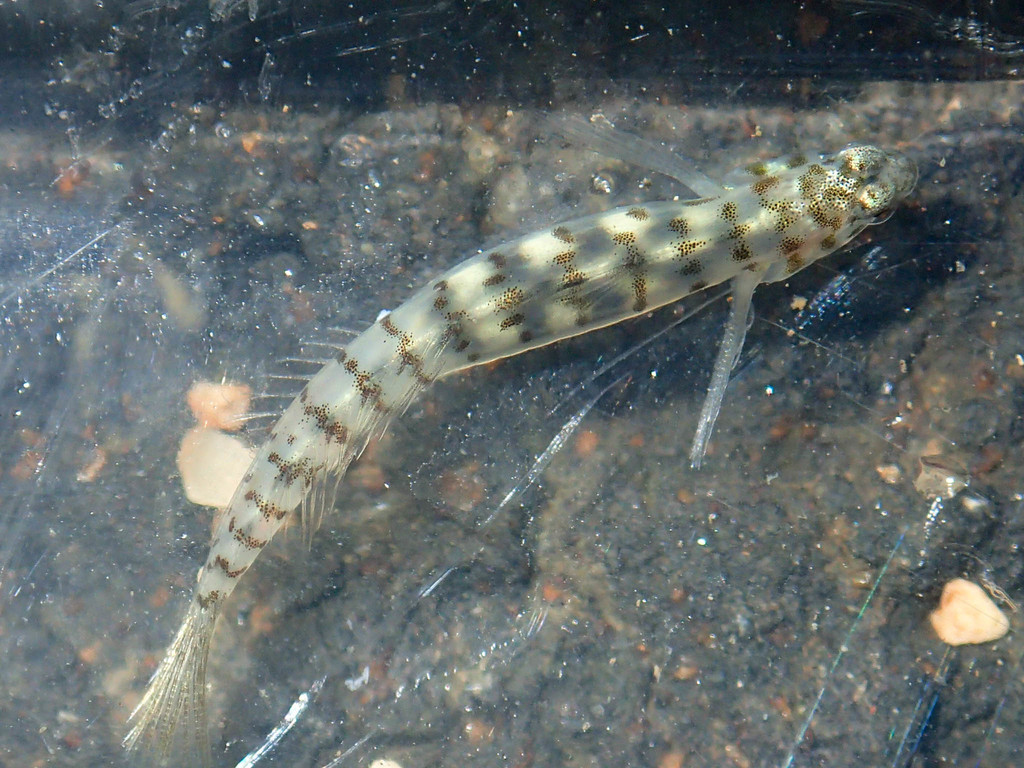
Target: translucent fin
{"points": [[334, 346], [600, 136], [319, 362], [732, 344], [169, 724], [288, 377], [365, 424], [320, 498], [348, 332], [303, 377], [256, 422]]}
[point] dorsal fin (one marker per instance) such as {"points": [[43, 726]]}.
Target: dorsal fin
{"points": [[599, 135]]}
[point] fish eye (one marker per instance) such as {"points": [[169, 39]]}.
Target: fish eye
{"points": [[874, 197]]}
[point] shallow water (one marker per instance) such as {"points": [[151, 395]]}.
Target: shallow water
{"points": [[770, 609]]}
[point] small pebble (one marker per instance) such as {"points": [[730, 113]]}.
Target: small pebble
{"points": [[211, 464], [967, 615], [940, 477], [221, 406]]}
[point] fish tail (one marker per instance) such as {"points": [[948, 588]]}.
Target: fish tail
{"points": [[171, 718]]}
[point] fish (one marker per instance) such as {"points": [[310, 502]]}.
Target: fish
{"points": [[775, 219]]}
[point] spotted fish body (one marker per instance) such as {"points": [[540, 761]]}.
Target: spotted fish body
{"points": [[554, 284]]}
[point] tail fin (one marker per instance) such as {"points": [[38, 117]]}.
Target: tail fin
{"points": [[171, 718]]}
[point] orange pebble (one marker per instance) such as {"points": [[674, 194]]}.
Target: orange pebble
{"points": [[159, 598], [967, 615], [220, 406], [552, 593], [586, 442], [92, 468], [90, 654]]}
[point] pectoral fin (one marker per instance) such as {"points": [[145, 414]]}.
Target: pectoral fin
{"points": [[743, 286]]}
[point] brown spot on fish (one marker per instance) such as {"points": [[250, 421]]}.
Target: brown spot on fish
{"points": [[370, 391], [289, 471], [639, 293], [337, 432], [741, 252], [786, 212], [222, 563], [691, 267], [441, 285], [510, 298], [319, 413], [247, 541], [790, 244], [729, 211], [794, 263], [497, 258], [573, 278], [837, 195], [463, 343], [680, 226], [688, 247], [828, 242], [758, 169], [640, 214], [525, 337], [761, 186], [794, 161], [564, 257], [440, 302], [809, 182], [512, 321], [408, 357], [825, 218], [472, 357], [269, 510], [737, 231], [563, 234], [496, 279], [208, 600]]}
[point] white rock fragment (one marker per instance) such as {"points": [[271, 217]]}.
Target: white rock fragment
{"points": [[967, 615], [211, 464], [940, 477]]}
